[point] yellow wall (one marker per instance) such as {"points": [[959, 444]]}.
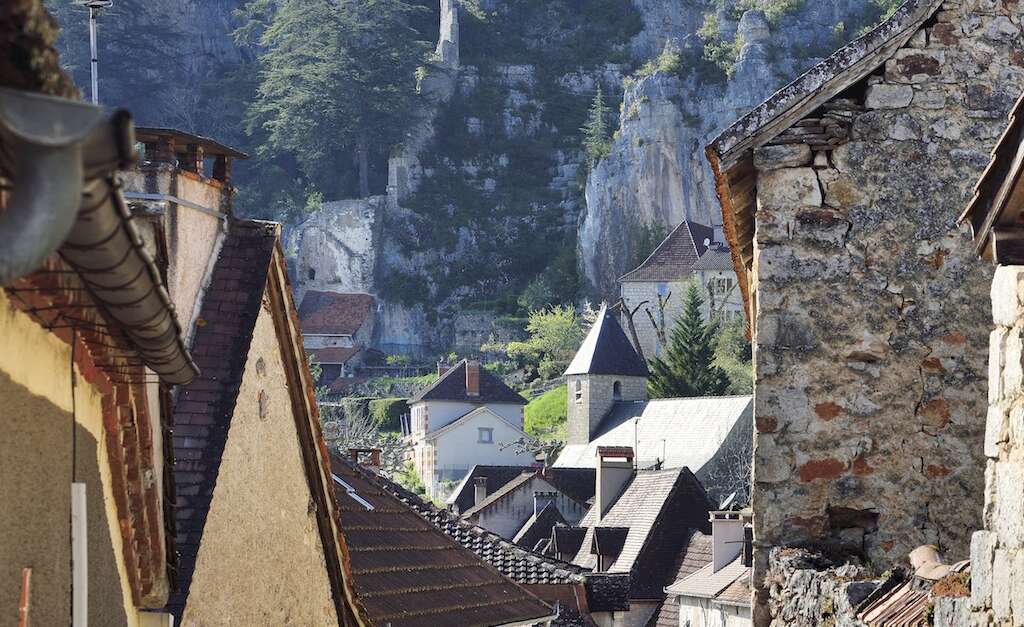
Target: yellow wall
{"points": [[261, 561], [41, 448]]}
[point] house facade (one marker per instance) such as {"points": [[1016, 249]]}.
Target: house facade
{"points": [[337, 329], [513, 510], [467, 417], [840, 195]]}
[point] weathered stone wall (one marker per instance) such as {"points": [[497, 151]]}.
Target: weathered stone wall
{"points": [[869, 354], [596, 399], [997, 552], [808, 590]]}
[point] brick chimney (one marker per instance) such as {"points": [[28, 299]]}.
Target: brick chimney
{"points": [[368, 458], [479, 490], [727, 537], [614, 470], [472, 378]]}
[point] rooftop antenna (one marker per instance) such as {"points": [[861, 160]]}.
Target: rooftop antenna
{"points": [[95, 6]]}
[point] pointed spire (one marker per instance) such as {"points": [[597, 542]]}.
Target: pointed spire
{"points": [[606, 350]]}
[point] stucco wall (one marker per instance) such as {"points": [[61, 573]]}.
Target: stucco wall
{"points": [[442, 413], [635, 293], [42, 451], [638, 615], [261, 561], [457, 450], [596, 400], [696, 612], [871, 335], [507, 516]]}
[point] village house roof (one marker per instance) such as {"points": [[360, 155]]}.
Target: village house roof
{"points": [[500, 493], [607, 350], [674, 432], [675, 256], [211, 147], [331, 313], [407, 572], [998, 200], [729, 586], [659, 510], [696, 554], [716, 258], [451, 386], [246, 269], [731, 153], [576, 483], [470, 417], [537, 528], [334, 354]]}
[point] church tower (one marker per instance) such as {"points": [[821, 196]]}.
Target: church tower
{"points": [[605, 370]]}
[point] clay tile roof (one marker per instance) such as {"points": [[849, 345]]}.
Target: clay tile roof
{"points": [[675, 256], [451, 386], [331, 313], [202, 415], [606, 350], [408, 573], [333, 355]]}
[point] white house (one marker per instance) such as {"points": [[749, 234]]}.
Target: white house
{"points": [[513, 511], [467, 417]]}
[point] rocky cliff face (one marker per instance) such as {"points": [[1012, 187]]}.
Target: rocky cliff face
{"points": [[656, 174]]}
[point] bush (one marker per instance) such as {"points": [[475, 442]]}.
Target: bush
{"points": [[546, 415], [386, 413]]}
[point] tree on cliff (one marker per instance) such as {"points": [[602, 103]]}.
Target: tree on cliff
{"points": [[337, 78], [596, 143], [688, 366]]}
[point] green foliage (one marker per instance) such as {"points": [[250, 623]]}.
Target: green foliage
{"points": [[733, 355], [386, 413], [398, 360], [388, 386], [888, 7], [409, 479], [688, 366], [721, 52], [555, 334], [545, 416], [670, 61], [596, 139]]}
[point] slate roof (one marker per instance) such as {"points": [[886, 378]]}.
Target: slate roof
{"points": [[500, 493], [204, 409], [675, 256], [334, 354], [538, 527], [606, 350], [660, 509], [694, 556], [715, 258], [331, 313], [576, 483], [678, 431], [730, 585], [407, 573], [451, 386]]}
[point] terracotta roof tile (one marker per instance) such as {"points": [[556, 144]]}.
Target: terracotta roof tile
{"points": [[331, 313]]}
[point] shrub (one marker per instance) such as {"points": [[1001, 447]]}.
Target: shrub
{"points": [[386, 413]]}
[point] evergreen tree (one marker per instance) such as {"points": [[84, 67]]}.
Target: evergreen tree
{"points": [[595, 131], [688, 366]]}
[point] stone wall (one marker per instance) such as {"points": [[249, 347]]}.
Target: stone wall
{"points": [[807, 589], [596, 400], [869, 355], [997, 552]]}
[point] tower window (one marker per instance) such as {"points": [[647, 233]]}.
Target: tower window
{"points": [[311, 273], [579, 391], [485, 435], [617, 391]]}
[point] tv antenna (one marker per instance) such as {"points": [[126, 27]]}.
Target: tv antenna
{"points": [[95, 6]]}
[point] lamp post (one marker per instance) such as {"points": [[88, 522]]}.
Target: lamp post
{"points": [[94, 7]]}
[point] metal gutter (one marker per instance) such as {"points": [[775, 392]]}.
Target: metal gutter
{"points": [[178, 201]]}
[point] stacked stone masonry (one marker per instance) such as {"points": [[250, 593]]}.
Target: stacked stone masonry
{"points": [[870, 339], [997, 552]]}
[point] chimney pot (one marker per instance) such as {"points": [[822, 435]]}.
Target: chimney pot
{"points": [[479, 490], [472, 378], [372, 462]]}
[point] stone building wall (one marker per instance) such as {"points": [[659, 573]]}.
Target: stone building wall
{"points": [[997, 552], [596, 400], [869, 353], [634, 293]]}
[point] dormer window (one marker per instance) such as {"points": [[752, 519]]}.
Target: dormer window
{"points": [[617, 391]]}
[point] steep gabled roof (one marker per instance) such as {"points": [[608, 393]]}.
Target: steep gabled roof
{"points": [[451, 386], [715, 258], [729, 585], [500, 493], [675, 256], [332, 313], [731, 153], [694, 556], [606, 350], [407, 572], [539, 526]]}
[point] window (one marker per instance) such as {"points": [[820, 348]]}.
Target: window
{"points": [[311, 273], [485, 435], [617, 391], [662, 289], [579, 391]]}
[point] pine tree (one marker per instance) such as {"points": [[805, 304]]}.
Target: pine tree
{"points": [[595, 131], [688, 366]]}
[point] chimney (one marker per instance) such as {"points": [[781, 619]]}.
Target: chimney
{"points": [[472, 378], [614, 470], [541, 500], [369, 458], [727, 538], [479, 490], [442, 368]]}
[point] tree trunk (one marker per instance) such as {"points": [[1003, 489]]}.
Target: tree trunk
{"points": [[363, 163]]}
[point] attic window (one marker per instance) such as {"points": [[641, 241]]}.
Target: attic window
{"points": [[485, 435], [352, 493], [617, 391]]}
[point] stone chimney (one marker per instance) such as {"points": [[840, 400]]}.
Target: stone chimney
{"points": [[614, 470], [727, 538], [472, 378], [479, 490], [368, 458], [541, 500], [442, 368]]}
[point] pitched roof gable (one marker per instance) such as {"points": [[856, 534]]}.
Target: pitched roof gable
{"points": [[497, 495], [606, 350], [576, 483], [538, 527], [333, 313], [406, 572], [675, 256], [451, 386], [471, 416]]}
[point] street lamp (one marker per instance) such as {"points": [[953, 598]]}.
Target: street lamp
{"points": [[94, 7]]}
